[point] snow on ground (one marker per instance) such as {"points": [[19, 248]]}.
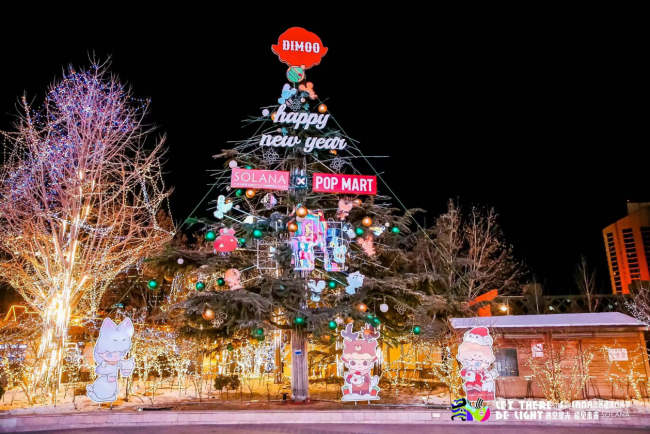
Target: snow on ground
{"points": [[259, 393]]}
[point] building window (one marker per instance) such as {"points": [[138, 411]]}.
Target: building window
{"points": [[611, 248], [506, 362], [630, 251], [645, 235]]}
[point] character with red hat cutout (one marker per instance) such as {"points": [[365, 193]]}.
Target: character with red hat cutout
{"points": [[476, 356]]}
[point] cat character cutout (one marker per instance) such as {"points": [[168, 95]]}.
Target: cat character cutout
{"points": [[110, 352]]}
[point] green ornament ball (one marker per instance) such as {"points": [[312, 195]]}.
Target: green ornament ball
{"points": [[259, 332], [230, 347], [257, 234], [296, 74], [417, 330], [300, 321], [359, 231], [239, 193], [221, 281], [210, 236], [153, 284], [242, 241], [395, 230], [332, 325], [376, 322], [249, 167], [331, 284], [200, 286]]}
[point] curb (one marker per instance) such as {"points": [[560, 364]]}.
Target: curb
{"points": [[101, 419]]}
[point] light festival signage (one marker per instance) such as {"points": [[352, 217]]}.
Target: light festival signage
{"points": [[344, 184], [259, 179]]}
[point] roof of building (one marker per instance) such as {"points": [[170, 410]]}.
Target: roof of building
{"points": [[614, 319]]}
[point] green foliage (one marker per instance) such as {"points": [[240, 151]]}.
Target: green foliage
{"points": [[231, 382]]}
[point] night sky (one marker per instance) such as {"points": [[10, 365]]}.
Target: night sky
{"points": [[543, 124]]}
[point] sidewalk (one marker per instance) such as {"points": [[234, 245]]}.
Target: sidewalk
{"points": [[360, 416]]}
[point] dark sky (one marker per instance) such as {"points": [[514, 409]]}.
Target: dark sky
{"points": [[544, 123]]}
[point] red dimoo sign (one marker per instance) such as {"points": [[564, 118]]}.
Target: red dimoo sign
{"points": [[346, 184], [259, 179], [298, 47]]}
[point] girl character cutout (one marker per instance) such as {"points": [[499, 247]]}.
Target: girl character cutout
{"points": [[359, 356]]}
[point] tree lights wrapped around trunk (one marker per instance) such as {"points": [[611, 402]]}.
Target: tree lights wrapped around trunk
{"points": [[79, 196]]}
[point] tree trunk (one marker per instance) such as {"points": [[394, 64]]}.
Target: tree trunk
{"points": [[299, 367], [56, 320], [278, 367]]}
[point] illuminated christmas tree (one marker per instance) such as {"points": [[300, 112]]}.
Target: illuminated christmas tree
{"points": [[301, 242]]}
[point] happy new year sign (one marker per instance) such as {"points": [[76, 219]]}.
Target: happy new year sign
{"points": [[259, 179], [345, 184]]}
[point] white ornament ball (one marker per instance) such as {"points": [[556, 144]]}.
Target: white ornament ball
{"points": [[228, 188], [383, 308], [233, 164], [266, 112], [302, 99], [339, 320], [387, 224], [180, 261]]}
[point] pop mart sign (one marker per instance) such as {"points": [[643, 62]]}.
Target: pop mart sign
{"points": [[344, 184]]}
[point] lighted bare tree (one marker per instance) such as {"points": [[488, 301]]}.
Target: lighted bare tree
{"points": [[586, 281], [639, 306], [466, 256], [79, 195]]}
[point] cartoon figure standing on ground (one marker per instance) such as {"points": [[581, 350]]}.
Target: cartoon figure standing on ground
{"points": [[359, 356], [476, 356], [112, 346]]}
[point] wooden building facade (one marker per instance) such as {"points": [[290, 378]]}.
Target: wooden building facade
{"points": [[608, 350]]}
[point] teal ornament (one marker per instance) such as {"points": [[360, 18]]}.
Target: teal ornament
{"points": [[417, 330], [221, 281], [210, 236], [300, 321], [200, 286], [331, 284], [257, 234], [296, 74], [153, 284], [242, 241], [395, 230], [249, 167], [239, 193], [259, 332], [359, 231], [332, 325], [376, 322]]}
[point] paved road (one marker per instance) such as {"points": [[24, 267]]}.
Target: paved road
{"points": [[343, 429]]}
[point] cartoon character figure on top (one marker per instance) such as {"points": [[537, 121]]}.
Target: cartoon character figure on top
{"points": [[113, 344], [359, 356], [476, 356]]}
